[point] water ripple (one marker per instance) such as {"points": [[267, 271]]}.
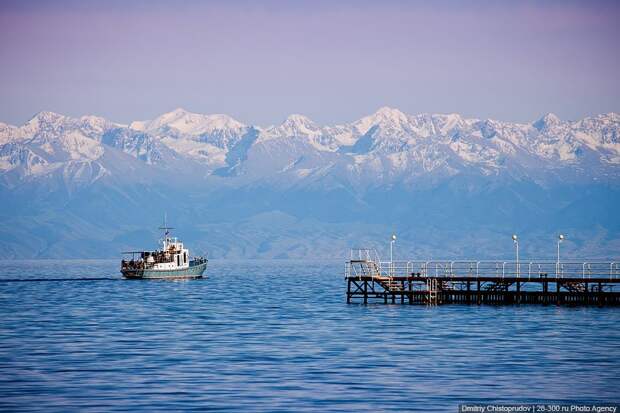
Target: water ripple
{"points": [[278, 336]]}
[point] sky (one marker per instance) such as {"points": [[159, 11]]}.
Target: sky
{"points": [[334, 61]]}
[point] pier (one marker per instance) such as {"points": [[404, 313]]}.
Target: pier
{"points": [[481, 282]]}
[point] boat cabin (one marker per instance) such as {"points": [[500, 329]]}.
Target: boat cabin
{"points": [[173, 256]]}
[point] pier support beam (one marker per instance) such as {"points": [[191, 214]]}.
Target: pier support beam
{"points": [[349, 291], [410, 293], [439, 289]]}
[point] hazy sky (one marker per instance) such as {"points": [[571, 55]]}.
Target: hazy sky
{"points": [[332, 61]]}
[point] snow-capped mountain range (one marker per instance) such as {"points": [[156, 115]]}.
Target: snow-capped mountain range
{"points": [[448, 185], [388, 146]]}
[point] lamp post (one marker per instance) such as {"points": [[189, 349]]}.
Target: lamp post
{"points": [[516, 242], [391, 254], [557, 266]]}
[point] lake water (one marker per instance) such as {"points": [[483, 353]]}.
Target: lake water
{"points": [[279, 336]]}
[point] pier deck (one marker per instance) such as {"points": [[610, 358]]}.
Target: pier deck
{"points": [[482, 282]]}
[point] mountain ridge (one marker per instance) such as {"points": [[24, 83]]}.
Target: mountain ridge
{"points": [[447, 184], [388, 139]]}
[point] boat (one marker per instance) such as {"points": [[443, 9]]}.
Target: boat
{"points": [[172, 261]]}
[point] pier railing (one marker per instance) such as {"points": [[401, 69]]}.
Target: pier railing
{"points": [[365, 262]]}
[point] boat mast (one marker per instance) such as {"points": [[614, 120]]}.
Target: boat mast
{"points": [[166, 229]]}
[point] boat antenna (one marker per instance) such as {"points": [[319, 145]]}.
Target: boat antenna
{"points": [[166, 229]]}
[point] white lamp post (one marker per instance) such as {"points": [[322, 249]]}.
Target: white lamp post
{"points": [[516, 242], [391, 254], [560, 239]]}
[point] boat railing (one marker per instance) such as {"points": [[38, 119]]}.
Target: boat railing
{"points": [[132, 264], [197, 260]]}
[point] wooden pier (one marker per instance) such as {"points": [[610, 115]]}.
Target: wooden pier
{"points": [[481, 282]]}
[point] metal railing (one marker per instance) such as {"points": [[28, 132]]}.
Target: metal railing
{"points": [[367, 254], [527, 269]]}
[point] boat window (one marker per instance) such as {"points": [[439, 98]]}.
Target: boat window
{"points": [[185, 257], [178, 260]]}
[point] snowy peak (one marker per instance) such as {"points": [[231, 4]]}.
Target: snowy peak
{"points": [[546, 122], [139, 125], [45, 120], [176, 117], [388, 114], [189, 123], [385, 118], [52, 118], [607, 119], [94, 121], [295, 125], [611, 117], [94, 126], [297, 119], [7, 133], [47, 117], [446, 123], [600, 132], [177, 113]]}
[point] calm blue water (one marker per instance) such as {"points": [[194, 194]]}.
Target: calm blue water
{"points": [[279, 336]]}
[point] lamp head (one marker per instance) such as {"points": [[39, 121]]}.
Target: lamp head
{"points": [[393, 237], [561, 237], [514, 237]]}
